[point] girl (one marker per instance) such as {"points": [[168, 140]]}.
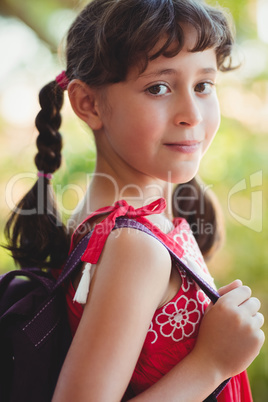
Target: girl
{"points": [[141, 74]]}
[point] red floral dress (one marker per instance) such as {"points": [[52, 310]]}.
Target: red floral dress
{"points": [[174, 326]]}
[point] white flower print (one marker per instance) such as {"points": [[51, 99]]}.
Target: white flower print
{"points": [[179, 319], [152, 331], [192, 256], [202, 299]]}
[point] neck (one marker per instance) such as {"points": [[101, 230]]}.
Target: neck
{"points": [[106, 188]]}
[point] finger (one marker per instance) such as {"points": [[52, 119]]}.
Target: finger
{"points": [[258, 319], [258, 323], [251, 305], [227, 288], [237, 296]]}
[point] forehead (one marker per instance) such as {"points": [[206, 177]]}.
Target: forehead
{"points": [[184, 64], [206, 59]]}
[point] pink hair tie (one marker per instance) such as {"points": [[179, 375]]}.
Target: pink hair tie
{"points": [[62, 80], [48, 176]]}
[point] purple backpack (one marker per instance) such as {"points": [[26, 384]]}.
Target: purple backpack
{"points": [[34, 331]]}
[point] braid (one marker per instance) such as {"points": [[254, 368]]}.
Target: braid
{"points": [[48, 121], [36, 236]]}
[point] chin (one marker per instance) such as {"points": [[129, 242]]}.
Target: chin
{"points": [[183, 176]]}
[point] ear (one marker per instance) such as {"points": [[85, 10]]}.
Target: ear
{"points": [[84, 103]]}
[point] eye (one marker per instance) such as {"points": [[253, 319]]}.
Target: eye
{"points": [[158, 90], [204, 88]]}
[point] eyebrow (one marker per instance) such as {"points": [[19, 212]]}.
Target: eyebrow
{"points": [[171, 71]]}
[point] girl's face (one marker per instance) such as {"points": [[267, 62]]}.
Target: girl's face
{"points": [[159, 124]]}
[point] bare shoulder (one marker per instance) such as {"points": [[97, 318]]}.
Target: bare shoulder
{"points": [[133, 268], [138, 251]]}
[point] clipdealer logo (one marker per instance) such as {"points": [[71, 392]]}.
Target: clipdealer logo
{"points": [[255, 219]]}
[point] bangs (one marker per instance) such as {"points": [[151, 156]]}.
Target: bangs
{"points": [[212, 29]]}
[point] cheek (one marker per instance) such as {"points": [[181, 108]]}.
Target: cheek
{"points": [[213, 119], [142, 123]]}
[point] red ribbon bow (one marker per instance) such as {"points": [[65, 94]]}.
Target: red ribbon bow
{"points": [[103, 229]]}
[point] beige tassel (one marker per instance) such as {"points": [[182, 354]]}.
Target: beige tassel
{"points": [[83, 287]]}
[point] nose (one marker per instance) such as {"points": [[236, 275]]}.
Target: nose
{"points": [[188, 111]]}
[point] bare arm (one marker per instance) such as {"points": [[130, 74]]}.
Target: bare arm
{"points": [[130, 280]]}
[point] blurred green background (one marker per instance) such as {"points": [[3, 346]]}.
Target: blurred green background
{"points": [[235, 167]]}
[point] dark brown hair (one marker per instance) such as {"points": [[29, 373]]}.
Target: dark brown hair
{"points": [[109, 37], [196, 202], [106, 39], [36, 236]]}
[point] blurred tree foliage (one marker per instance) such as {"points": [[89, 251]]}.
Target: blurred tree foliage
{"points": [[237, 154], [35, 15]]}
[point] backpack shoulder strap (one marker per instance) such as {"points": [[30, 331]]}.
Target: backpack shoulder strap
{"points": [[131, 223], [73, 260]]}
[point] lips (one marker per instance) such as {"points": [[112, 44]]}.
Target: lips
{"points": [[186, 147]]}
